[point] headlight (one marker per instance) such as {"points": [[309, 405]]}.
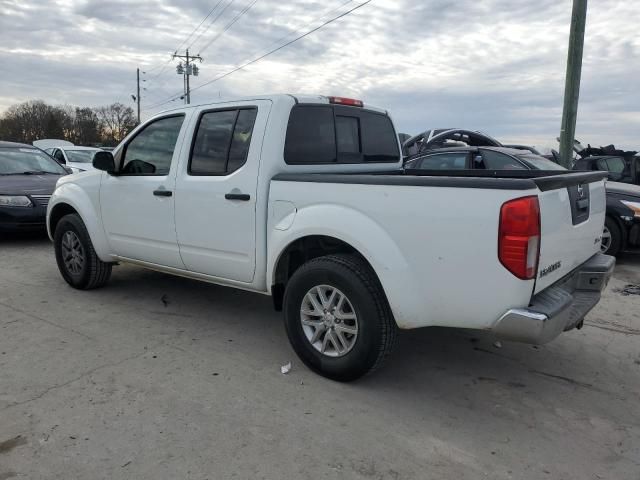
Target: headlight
{"points": [[14, 201], [635, 206]]}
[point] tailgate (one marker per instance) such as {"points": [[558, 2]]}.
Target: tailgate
{"points": [[572, 211]]}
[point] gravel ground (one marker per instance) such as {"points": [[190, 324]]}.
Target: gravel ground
{"points": [[118, 384]]}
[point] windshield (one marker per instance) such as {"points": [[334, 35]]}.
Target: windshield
{"points": [[540, 163], [27, 160], [80, 156]]}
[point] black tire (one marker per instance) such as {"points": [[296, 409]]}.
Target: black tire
{"points": [[616, 237], [93, 273], [377, 330]]}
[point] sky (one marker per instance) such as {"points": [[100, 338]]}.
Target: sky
{"points": [[493, 65]]}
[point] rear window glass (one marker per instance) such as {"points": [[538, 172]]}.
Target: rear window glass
{"points": [[311, 136], [338, 134]]}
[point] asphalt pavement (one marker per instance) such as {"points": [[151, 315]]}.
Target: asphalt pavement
{"points": [[158, 377]]}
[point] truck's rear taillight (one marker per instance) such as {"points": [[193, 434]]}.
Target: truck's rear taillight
{"points": [[352, 102], [519, 236]]}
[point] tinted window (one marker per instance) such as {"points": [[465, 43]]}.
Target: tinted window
{"points": [[315, 136], [241, 139], [222, 141], [20, 160], [348, 134], [492, 160], [310, 135], [211, 147], [443, 161], [151, 150], [379, 142]]}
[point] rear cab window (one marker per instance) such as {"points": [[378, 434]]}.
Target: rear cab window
{"points": [[338, 134]]}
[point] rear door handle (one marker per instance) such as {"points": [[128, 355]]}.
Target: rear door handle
{"points": [[244, 197], [162, 193]]}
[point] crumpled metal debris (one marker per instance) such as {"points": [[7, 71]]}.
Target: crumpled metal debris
{"points": [[630, 290]]}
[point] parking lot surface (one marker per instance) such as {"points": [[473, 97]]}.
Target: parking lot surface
{"points": [[166, 378]]}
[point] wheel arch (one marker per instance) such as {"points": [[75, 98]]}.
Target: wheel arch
{"points": [[363, 237], [71, 199], [299, 251]]}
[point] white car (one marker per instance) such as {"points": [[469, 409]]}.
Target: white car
{"points": [[303, 198], [79, 159]]}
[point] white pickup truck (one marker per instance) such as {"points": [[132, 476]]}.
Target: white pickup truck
{"points": [[304, 198]]}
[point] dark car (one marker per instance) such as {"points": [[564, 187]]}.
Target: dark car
{"points": [[620, 168], [622, 225], [621, 229], [480, 158], [28, 177]]}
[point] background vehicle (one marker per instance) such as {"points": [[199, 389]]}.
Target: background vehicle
{"points": [[480, 158], [27, 179], [79, 159], [622, 225], [303, 198], [620, 169]]}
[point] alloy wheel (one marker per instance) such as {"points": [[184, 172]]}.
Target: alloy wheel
{"points": [[329, 321]]}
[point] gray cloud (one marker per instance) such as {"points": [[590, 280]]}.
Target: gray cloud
{"points": [[495, 65]]}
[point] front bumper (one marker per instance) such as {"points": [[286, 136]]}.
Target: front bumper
{"points": [[560, 307], [20, 219]]}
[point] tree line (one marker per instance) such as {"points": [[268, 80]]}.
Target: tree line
{"points": [[34, 120]]}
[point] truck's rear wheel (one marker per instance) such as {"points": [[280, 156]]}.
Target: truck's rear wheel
{"points": [[77, 261], [337, 317]]}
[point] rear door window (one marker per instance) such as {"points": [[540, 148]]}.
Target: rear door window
{"points": [[319, 134], [222, 141]]}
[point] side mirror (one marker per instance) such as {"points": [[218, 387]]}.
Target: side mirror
{"points": [[104, 161], [68, 170]]}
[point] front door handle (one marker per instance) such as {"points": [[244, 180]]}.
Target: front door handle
{"points": [[162, 193], [244, 197]]}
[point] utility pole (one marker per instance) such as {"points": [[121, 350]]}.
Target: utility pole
{"points": [[187, 70], [138, 92], [572, 82]]}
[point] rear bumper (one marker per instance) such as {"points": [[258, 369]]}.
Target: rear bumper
{"points": [[560, 307]]}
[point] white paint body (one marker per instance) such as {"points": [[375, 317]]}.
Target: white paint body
{"points": [[434, 249]]}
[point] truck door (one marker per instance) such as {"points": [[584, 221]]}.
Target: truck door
{"points": [[137, 204], [216, 192]]}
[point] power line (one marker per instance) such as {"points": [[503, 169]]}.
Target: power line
{"points": [[299, 37], [270, 52], [229, 25], [164, 65], [199, 25], [211, 23]]}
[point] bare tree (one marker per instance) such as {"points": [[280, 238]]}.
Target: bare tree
{"points": [[116, 120], [31, 121]]}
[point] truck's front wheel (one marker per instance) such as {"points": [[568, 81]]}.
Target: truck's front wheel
{"points": [[337, 317], [77, 261]]}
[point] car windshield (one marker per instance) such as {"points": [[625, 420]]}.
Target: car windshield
{"points": [[27, 160], [80, 156], [539, 163]]}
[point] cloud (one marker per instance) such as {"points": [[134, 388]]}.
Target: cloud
{"points": [[495, 65]]}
